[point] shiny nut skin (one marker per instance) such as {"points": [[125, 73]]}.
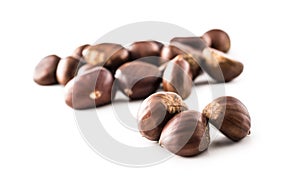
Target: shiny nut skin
{"points": [[142, 49], [217, 39], [45, 71], [77, 53], [156, 111], [66, 69], [192, 48], [186, 134], [109, 55], [137, 79], [230, 116], [195, 43], [84, 68], [91, 89], [220, 66], [170, 52], [177, 77]]}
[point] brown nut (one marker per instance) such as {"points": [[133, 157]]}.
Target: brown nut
{"points": [[195, 43], [137, 79], [192, 48], [170, 52], [142, 49], [45, 71], [156, 111], [177, 77], [219, 66], [91, 89], [217, 39], [66, 69], [186, 134], [230, 116], [77, 53], [109, 55]]}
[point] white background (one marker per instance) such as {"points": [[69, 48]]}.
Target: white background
{"points": [[39, 139]]}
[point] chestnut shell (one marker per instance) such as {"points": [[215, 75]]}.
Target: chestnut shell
{"points": [[186, 134], [138, 79], [156, 111], [230, 116], [91, 89], [45, 71]]}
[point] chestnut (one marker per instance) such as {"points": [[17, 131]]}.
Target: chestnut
{"points": [[156, 111], [230, 116], [217, 39], [77, 53], [91, 89], [45, 71], [170, 52], [138, 79], [186, 134], [66, 69], [177, 77], [109, 55], [220, 66], [143, 49]]}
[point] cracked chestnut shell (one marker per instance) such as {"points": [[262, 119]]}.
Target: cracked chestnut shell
{"points": [[109, 55], [138, 79], [220, 66], [156, 111], [177, 77], [230, 116], [45, 71], [186, 134], [91, 89], [217, 39], [66, 69]]}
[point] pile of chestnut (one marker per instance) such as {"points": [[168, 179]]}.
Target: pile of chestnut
{"points": [[94, 73]]}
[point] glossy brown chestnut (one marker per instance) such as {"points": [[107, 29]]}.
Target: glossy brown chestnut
{"points": [[156, 111], [170, 52], [186, 134], [230, 116], [177, 77], [142, 49], [137, 79], [192, 48], [45, 71], [217, 39], [109, 55], [91, 89], [220, 66], [77, 53], [66, 69]]}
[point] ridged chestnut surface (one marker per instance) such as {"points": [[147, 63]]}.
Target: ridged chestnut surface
{"points": [[186, 134], [156, 110], [230, 116], [177, 77], [220, 66]]}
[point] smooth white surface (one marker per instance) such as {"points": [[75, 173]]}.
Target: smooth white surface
{"points": [[39, 139]]}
